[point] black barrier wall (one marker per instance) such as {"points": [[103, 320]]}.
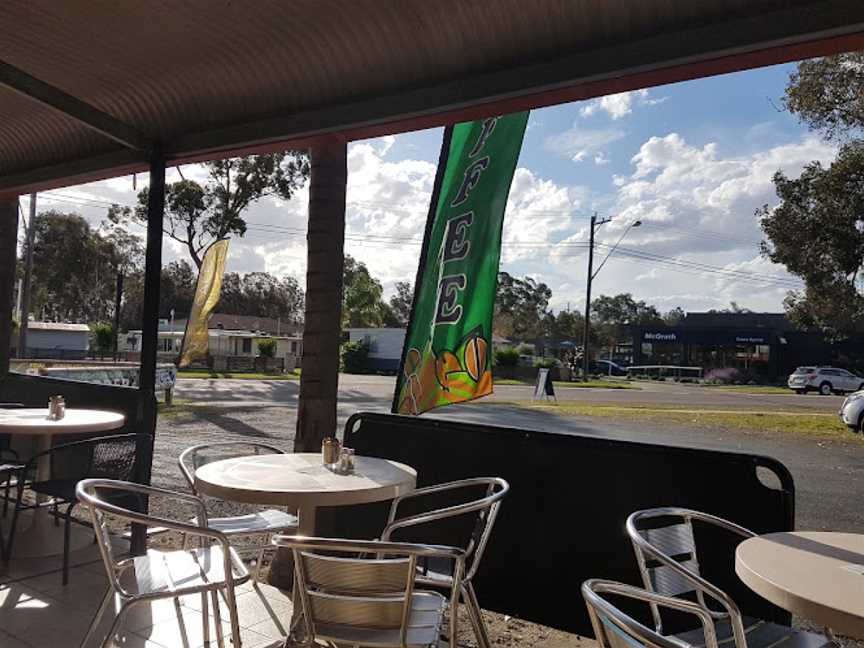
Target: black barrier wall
{"points": [[563, 520]]}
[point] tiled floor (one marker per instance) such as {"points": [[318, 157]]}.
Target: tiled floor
{"points": [[36, 611]]}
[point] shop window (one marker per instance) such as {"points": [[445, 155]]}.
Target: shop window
{"points": [[247, 345]]}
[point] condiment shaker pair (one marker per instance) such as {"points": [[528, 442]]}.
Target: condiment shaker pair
{"points": [[336, 457]]}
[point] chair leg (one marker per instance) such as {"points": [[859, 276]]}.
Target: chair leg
{"points": [[217, 619], [67, 533], [205, 619], [97, 618], [109, 638], [232, 614], [482, 632], [15, 514]]}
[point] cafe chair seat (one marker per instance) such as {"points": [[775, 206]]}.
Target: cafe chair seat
{"points": [[269, 521], [163, 572], [759, 634]]}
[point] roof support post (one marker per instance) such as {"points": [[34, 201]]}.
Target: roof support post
{"points": [[8, 256], [150, 331], [325, 239]]}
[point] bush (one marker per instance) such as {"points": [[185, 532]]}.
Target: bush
{"points": [[506, 357], [354, 356], [545, 363], [267, 348], [103, 337], [724, 376]]}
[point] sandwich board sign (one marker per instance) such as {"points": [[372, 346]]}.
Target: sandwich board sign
{"points": [[543, 388]]}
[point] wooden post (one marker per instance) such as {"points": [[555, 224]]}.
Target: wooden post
{"points": [[146, 423], [319, 378], [8, 256]]}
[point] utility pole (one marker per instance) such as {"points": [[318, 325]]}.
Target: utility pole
{"points": [[118, 299], [28, 275]]}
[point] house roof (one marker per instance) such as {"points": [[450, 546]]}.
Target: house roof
{"points": [[58, 326], [775, 321], [93, 89], [245, 323]]}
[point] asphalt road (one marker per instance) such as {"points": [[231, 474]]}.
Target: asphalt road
{"points": [[828, 470]]}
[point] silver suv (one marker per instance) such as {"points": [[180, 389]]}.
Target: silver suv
{"points": [[825, 380]]}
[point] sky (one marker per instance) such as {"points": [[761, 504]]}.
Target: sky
{"points": [[692, 161]]}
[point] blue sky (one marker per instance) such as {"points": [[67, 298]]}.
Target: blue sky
{"points": [[692, 161]]}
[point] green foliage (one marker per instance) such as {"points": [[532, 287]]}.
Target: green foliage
{"points": [[520, 306], [400, 303], [196, 214], [267, 348], [546, 363], [825, 208], [506, 357], [103, 337], [361, 296], [828, 94], [354, 356]]}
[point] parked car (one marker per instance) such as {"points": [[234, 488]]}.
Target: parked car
{"points": [[852, 411], [825, 380], [607, 368]]}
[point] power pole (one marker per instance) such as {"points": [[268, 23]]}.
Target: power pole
{"points": [[587, 330], [118, 301], [28, 275]]}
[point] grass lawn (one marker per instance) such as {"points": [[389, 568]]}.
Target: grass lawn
{"points": [[753, 389], [239, 376], [597, 384], [786, 422]]}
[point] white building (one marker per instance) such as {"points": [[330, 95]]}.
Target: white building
{"points": [[57, 340]]}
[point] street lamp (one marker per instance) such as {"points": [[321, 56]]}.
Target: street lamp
{"points": [[591, 274]]}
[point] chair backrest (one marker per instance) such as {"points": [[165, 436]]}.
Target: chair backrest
{"points": [[615, 629], [109, 457], [484, 509], [196, 456], [349, 596], [666, 553]]}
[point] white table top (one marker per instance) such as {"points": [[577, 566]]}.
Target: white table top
{"points": [[300, 480], [819, 576], [35, 421]]}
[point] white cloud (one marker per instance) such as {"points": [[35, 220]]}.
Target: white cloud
{"points": [[578, 143], [621, 104], [600, 159]]}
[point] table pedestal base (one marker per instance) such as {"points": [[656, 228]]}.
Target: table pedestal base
{"points": [[38, 537]]}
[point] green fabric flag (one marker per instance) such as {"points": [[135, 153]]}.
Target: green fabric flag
{"points": [[447, 356]]}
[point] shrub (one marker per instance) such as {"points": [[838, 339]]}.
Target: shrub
{"points": [[354, 355], [546, 363], [525, 349], [267, 348], [724, 376], [506, 357], [103, 337]]}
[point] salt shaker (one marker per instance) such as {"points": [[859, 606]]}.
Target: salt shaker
{"points": [[346, 460], [330, 447]]}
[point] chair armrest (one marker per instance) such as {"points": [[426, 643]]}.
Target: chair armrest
{"points": [[301, 543], [591, 587]]}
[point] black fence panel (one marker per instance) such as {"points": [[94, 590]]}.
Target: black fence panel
{"points": [[563, 520]]}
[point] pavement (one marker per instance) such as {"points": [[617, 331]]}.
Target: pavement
{"points": [[828, 469]]}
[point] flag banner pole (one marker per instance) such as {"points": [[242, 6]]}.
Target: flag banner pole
{"points": [[447, 356], [208, 289]]}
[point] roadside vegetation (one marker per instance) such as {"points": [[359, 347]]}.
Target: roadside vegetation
{"points": [[295, 375], [817, 424]]}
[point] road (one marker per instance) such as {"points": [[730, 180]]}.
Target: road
{"points": [[828, 470]]}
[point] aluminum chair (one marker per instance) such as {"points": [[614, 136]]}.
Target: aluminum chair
{"points": [[668, 560], [615, 629], [212, 568], [484, 509], [260, 523], [362, 592]]}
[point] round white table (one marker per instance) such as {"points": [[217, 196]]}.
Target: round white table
{"points": [[816, 575], [41, 538], [301, 482]]}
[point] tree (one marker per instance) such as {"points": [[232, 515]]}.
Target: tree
{"points": [[263, 295], [622, 309], [828, 94], [674, 317], [361, 296], [267, 348], [825, 208], [198, 214], [75, 267], [400, 303], [520, 306], [103, 337]]}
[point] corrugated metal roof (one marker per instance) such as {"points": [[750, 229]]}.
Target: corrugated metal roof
{"points": [[211, 76]]}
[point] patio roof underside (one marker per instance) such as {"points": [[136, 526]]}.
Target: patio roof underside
{"points": [[211, 78]]}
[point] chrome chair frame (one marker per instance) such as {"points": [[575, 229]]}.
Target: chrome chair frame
{"points": [[368, 552], [682, 545], [188, 466], [234, 571], [487, 508], [605, 616]]}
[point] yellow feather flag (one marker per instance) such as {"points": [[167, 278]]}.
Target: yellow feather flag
{"points": [[207, 291]]}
